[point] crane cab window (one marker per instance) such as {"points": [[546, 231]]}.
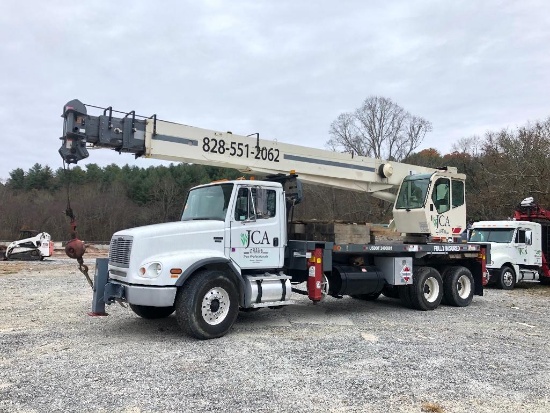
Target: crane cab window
{"points": [[412, 194], [255, 203], [457, 193], [441, 195]]}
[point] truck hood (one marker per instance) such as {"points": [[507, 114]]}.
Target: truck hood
{"points": [[501, 253], [170, 229], [174, 238]]}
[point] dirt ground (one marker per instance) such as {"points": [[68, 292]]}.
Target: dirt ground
{"points": [[340, 355]]}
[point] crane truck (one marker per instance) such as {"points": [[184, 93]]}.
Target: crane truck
{"points": [[233, 249], [520, 248]]}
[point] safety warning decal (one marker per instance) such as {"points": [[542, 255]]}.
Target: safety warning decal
{"points": [[406, 274]]}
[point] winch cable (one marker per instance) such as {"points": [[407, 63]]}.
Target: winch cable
{"points": [[69, 210], [75, 248]]}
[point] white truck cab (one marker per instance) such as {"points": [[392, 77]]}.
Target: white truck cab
{"points": [[516, 253], [241, 224]]}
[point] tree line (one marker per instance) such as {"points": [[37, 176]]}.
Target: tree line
{"points": [[502, 168]]}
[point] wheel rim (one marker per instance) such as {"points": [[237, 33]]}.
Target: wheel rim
{"points": [[325, 286], [431, 289], [215, 306], [464, 286], [507, 278]]}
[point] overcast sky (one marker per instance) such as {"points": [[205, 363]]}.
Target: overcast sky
{"points": [[285, 69]]}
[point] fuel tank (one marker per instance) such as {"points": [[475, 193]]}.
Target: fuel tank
{"points": [[352, 280]]}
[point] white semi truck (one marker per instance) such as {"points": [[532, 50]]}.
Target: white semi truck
{"points": [[232, 249], [519, 247]]}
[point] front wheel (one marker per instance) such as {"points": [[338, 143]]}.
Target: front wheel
{"points": [[506, 278], [151, 313], [458, 286], [207, 306]]}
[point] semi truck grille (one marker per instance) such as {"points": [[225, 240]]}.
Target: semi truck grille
{"points": [[119, 251]]}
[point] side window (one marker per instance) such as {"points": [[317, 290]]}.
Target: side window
{"points": [[255, 203], [458, 193], [520, 236], [440, 195], [265, 201], [242, 206]]}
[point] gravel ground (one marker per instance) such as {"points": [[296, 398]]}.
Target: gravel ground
{"points": [[338, 356]]}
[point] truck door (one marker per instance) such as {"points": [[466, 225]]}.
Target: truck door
{"points": [[256, 238], [521, 247], [529, 250]]}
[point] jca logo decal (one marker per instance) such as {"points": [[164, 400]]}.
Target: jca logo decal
{"points": [[254, 237]]}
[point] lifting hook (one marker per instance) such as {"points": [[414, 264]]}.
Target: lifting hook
{"points": [[76, 248]]}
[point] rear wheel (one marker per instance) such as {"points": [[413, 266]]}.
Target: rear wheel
{"points": [[426, 292], [458, 286], [506, 278], [207, 306], [148, 312]]}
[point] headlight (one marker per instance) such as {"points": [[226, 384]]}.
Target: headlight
{"points": [[151, 270]]}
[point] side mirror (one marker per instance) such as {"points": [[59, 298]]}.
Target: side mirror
{"points": [[528, 237]]}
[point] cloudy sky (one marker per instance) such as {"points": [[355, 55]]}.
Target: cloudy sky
{"points": [[283, 68]]}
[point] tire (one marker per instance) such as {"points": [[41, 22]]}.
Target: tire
{"points": [[390, 291], [207, 305], [426, 292], [366, 297], [458, 286], [506, 278], [151, 313]]}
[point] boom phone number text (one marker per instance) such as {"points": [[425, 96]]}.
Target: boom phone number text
{"points": [[240, 149]]}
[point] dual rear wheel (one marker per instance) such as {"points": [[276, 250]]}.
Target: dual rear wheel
{"points": [[430, 288]]}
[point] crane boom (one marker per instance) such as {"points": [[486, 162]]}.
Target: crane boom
{"points": [[157, 139], [430, 202]]}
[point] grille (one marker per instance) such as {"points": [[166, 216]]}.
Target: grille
{"points": [[119, 251]]}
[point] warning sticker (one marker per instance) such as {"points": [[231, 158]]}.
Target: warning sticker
{"points": [[406, 274]]}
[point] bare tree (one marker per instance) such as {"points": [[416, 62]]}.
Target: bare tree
{"points": [[167, 197], [470, 145], [379, 128]]}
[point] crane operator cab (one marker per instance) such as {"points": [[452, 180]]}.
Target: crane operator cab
{"points": [[432, 204]]}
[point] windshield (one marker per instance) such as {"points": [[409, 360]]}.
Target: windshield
{"points": [[209, 202], [498, 235], [412, 193]]}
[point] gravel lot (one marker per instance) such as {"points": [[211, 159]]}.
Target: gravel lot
{"points": [[340, 355]]}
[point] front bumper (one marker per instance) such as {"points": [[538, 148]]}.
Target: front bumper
{"points": [[140, 295]]}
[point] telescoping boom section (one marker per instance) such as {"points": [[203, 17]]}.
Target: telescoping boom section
{"points": [[154, 138], [430, 203]]}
